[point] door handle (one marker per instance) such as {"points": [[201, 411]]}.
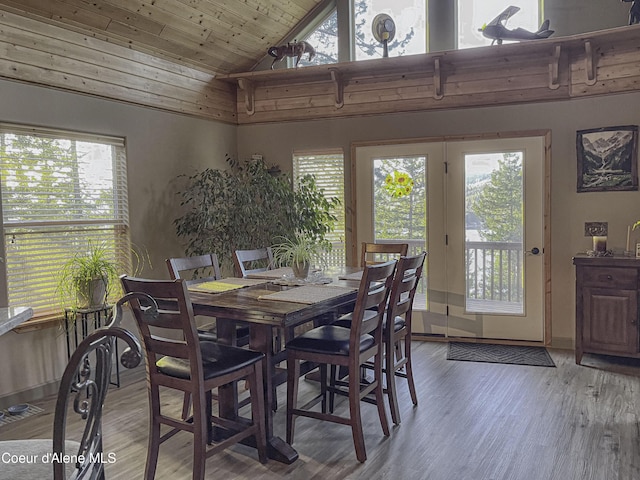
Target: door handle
{"points": [[533, 251]]}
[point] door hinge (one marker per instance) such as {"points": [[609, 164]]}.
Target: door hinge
{"points": [[446, 167]]}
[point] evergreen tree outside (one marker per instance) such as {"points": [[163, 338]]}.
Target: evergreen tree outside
{"points": [[324, 39], [403, 218], [499, 205], [56, 192]]}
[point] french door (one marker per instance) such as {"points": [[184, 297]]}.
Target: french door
{"points": [[477, 208]]}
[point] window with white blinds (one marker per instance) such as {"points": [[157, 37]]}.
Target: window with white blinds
{"points": [[327, 166], [60, 191]]}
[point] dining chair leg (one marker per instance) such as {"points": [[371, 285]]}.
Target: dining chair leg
{"points": [[390, 377], [293, 375], [200, 433], [186, 406], [208, 414], [332, 385], [409, 369], [379, 394], [323, 386], [356, 418], [153, 448]]}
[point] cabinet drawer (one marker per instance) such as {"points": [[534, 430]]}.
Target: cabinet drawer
{"points": [[608, 277]]}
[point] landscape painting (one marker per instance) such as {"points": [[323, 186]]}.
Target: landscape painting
{"points": [[607, 159]]}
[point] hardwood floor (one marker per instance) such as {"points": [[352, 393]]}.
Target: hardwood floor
{"points": [[474, 421]]}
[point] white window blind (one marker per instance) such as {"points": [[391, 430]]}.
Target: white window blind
{"points": [[327, 166], [60, 191]]}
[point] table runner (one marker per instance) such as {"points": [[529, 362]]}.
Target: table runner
{"points": [[308, 294]]}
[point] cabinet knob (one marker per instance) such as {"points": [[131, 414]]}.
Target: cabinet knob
{"points": [[609, 277]]}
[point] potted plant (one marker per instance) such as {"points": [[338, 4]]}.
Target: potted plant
{"points": [[297, 252], [86, 279]]}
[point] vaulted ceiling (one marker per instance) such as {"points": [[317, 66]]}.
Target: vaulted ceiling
{"points": [[218, 36]]}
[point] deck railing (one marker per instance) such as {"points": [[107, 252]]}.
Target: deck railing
{"points": [[494, 269]]}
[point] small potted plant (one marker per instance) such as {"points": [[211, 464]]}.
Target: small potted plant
{"points": [[87, 278], [297, 252]]}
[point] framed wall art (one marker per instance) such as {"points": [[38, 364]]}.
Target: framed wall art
{"points": [[607, 159]]}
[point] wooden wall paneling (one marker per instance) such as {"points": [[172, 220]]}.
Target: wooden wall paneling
{"points": [[63, 11], [409, 87], [115, 13], [216, 35], [207, 21], [617, 69], [40, 53]]}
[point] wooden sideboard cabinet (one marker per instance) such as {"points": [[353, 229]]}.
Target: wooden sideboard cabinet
{"points": [[607, 306]]}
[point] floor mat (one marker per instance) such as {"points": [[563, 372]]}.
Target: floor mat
{"points": [[511, 354]]}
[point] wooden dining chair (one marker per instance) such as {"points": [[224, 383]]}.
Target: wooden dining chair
{"points": [[397, 330], [83, 390], [203, 268], [198, 269], [253, 261], [348, 347], [195, 269], [396, 334], [371, 252], [185, 363]]}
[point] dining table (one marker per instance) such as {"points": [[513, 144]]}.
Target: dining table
{"points": [[269, 302]]}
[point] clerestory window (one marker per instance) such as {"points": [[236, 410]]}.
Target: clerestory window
{"points": [[473, 14]]}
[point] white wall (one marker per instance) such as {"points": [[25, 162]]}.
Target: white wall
{"points": [[160, 146], [569, 210]]}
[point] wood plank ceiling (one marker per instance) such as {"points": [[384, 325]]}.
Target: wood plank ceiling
{"points": [[217, 36]]}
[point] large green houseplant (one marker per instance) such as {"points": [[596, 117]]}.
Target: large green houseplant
{"points": [[247, 206]]}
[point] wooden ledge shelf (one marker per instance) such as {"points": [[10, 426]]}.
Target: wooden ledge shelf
{"points": [[561, 68]]}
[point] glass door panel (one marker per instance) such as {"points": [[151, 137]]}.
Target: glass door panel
{"points": [[400, 207], [399, 199], [494, 230], [495, 267]]}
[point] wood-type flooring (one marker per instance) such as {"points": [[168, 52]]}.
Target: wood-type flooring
{"points": [[474, 421]]}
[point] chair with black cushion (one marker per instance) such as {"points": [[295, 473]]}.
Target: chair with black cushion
{"points": [[397, 330], [198, 269], [372, 253], [185, 363], [85, 383], [348, 347], [253, 261]]}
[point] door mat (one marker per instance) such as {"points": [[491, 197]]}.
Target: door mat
{"points": [[10, 418], [490, 353]]}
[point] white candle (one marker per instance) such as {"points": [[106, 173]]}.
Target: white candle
{"points": [[600, 244], [628, 238]]}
